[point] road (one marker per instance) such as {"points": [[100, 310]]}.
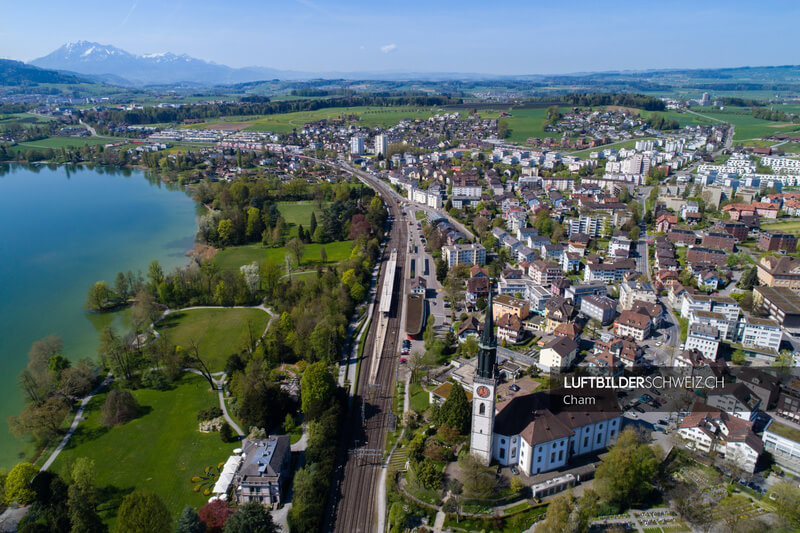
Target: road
{"points": [[353, 504]]}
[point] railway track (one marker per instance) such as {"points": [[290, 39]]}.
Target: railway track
{"points": [[353, 500]]}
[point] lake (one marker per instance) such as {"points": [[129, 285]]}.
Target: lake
{"points": [[63, 228]]}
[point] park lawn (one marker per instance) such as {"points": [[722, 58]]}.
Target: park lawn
{"points": [[235, 256], [218, 332], [792, 226], [299, 214], [159, 451]]}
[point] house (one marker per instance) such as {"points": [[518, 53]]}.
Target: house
{"points": [[619, 246], [624, 348], [262, 471], [782, 441], [509, 327], [570, 262], [419, 286], [651, 310], [558, 310], [762, 384], [477, 287], [708, 279], [605, 364], [469, 326], [601, 308], [570, 330], [635, 325], [693, 358], [708, 429], [558, 354], [703, 338], [666, 222]]}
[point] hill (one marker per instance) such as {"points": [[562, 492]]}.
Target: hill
{"points": [[15, 73]]}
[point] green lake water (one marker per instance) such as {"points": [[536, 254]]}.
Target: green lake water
{"points": [[62, 229]]}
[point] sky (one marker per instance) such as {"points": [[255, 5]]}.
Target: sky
{"points": [[505, 37]]}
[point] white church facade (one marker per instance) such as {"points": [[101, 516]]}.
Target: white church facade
{"points": [[537, 432]]}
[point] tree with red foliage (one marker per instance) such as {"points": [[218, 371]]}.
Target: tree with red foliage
{"points": [[359, 225], [214, 515]]}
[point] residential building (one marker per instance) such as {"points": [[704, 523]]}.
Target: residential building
{"points": [[576, 292], [763, 333], [708, 429], [703, 338], [630, 324], [719, 241], [544, 272], [735, 399], [600, 308], [357, 145], [782, 304], [619, 246], [771, 241], [509, 327], [780, 271], [262, 471], [507, 305], [609, 272], [470, 254], [558, 354], [631, 291], [381, 144]]}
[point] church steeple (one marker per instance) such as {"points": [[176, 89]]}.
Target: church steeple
{"points": [[487, 346]]}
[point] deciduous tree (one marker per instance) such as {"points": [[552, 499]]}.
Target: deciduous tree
{"points": [[143, 512]]}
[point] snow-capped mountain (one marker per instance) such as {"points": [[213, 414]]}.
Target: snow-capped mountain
{"points": [[96, 59]]}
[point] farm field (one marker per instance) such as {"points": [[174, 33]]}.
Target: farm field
{"points": [[160, 450], [747, 126], [286, 122], [236, 256], [217, 332]]}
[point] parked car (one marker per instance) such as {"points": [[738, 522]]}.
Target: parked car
{"points": [[637, 408], [514, 470], [403, 360], [514, 387]]}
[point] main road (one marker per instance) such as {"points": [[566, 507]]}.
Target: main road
{"points": [[353, 503]]}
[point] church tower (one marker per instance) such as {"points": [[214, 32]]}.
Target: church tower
{"points": [[484, 391]]}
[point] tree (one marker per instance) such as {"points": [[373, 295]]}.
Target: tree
{"points": [[120, 407], [190, 522], [252, 277], [97, 299], [441, 269], [155, 274], [456, 411], [317, 388], [738, 357], [626, 476], [255, 225], [41, 421], [225, 232], [83, 517], [251, 517], [312, 227], [18, 484], [296, 248], [428, 475], [633, 233], [787, 502], [323, 255], [566, 515], [142, 511], [479, 480]]}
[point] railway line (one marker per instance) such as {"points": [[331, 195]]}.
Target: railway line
{"points": [[353, 501]]}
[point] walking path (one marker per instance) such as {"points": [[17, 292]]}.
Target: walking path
{"points": [[75, 422], [219, 384]]}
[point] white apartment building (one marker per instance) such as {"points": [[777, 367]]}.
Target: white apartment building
{"points": [[381, 144], [704, 339], [782, 440], [470, 254], [631, 291], [707, 428], [760, 333], [357, 145]]}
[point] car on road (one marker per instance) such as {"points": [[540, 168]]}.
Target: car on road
{"points": [[639, 409], [403, 360]]}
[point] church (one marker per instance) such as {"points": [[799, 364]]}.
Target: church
{"points": [[541, 431]]}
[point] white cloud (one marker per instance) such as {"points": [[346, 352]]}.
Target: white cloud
{"points": [[386, 48]]}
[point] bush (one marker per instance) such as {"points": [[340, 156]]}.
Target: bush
{"points": [[208, 414], [227, 434], [120, 407]]}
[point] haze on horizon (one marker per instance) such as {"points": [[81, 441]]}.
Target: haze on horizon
{"points": [[515, 37]]}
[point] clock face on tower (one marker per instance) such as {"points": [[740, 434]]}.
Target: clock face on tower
{"points": [[482, 391]]}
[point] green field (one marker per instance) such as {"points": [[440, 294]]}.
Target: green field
{"points": [[69, 142], [217, 332], [299, 213], [160, 450], [792, 226], [236, 256], [419, 399], [747, 126], [524, 123], [286, 122], [23, 120]]}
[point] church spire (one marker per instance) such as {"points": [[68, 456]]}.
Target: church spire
{"points": [[487, 346]]}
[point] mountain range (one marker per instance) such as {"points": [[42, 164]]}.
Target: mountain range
{"points": [[113, 65]]}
